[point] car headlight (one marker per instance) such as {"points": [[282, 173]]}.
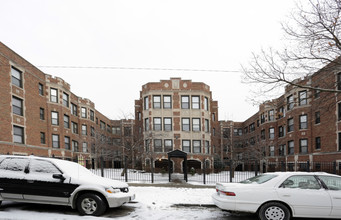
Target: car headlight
{"points": [[112, 190]]}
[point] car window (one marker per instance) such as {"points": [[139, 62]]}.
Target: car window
{"points": [[332, 182], [13, 164], [301, 182], [259, 179], [43, 166]]}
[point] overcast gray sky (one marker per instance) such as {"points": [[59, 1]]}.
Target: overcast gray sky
{"points": [[167, 34]]}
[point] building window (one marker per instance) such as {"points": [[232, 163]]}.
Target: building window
{"points": [[303, 122], [109, 128], [74, 109], [271, 115], [317, 118], [157, 145], [157, 124], [291, 149], [281, 113], [339, 81], [167, 124], [303, 146], [213, 116], [272, 151], [262, 134], [54, 95], [127, 131], [339, 135], [290, 102], [207, 125], [84, 130], [55, 141], [318, 143], [139, 116], [196, 146], [146, 103], [186, 146], [290, 124], [213, 131], [85, 147], [102, 125], [146, 144], [252, 127], [83, 112], [207, 147], [262, 118], [65, 99], [206, 104], [67, 142], [74, 127], [16, 77], [18, 134], [157, 101], [41, 89], [54, 118], [146, 124], [75, 146], [42, 114], [302, 97], [66, 121], [281, 131], [317, 93], [42, 138], [168, 145], [195, 102], [92, 131], [281, 150], [116, 130], [185, 102], [17, 105], [92, 115], [167, 101], [185, 124], [271, 133], [196, 124]]}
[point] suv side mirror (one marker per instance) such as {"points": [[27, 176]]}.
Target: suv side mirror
{"points": [[59, 176]]}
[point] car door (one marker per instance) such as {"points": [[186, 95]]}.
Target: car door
{"points": [[44, 187], [333, 184], [12, 174], [305, 195]]}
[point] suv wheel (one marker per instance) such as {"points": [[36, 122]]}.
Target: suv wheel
{"points": [[91, 204]]}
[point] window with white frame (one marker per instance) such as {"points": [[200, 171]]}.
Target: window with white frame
{"points": [[195, 102], [16, 77], [74, 127], [185, 102], [66, 121], [281, 150], [303, 121], [157, 145], [271, 133], [186, 146], [18, 134], [84, 130], [157, 124], [54, 118], [167, 124], [168, 145], [271, 115], [41, 89], [196, 146], [42, 138], [207, 125], [65, 99], [85, 147], [157, 101], [302, 95], [303, 146], [83, 112], [54, 95], [17, 106], [74, 109], [291, 149], [146, 124], [272, 151], [42, 114], [55, 141], [206, 107], [75, 146], [207, 147], [67, 142], [146, 103], [290, 102], [92, 115], [290, 124], [167, 101], [196, 124], [185, 124]]}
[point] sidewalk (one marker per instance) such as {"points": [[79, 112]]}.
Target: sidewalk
{"points": [[172, 185]]}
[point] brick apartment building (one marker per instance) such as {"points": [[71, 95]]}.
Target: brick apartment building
{"points": [[301, 125], [177, 115], [40, 115]]}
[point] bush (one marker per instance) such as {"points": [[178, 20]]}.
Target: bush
{"points": [[192, 171]]}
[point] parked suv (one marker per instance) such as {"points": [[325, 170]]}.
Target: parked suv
{"points": [[53, 181]]}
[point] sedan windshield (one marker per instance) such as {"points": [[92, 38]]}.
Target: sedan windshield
{"points": [[259, 179]]}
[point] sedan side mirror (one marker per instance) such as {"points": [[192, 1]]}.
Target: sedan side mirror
{"points": [[59, 176]]}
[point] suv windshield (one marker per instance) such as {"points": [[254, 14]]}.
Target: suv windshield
{"points": [[259, 179]]}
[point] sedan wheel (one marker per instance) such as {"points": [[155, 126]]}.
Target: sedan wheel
{"points": [[90, 204], [274, 211]]}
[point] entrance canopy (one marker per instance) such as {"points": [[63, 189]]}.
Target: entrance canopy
{"points": [[177, 154]]}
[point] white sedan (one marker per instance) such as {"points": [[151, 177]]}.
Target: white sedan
{"points": [[282, 195]]}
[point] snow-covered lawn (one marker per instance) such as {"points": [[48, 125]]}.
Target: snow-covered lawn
{"points": [[152, 203]]}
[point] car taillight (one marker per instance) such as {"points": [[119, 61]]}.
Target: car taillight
{"points": [[226, 193]]}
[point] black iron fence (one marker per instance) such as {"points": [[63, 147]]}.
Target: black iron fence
{"points": [[227, 172]]}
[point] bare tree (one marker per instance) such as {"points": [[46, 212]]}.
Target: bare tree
{"points": [[313, 33]]}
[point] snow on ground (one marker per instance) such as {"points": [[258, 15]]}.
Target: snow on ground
{"points": [[151, 203]]}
